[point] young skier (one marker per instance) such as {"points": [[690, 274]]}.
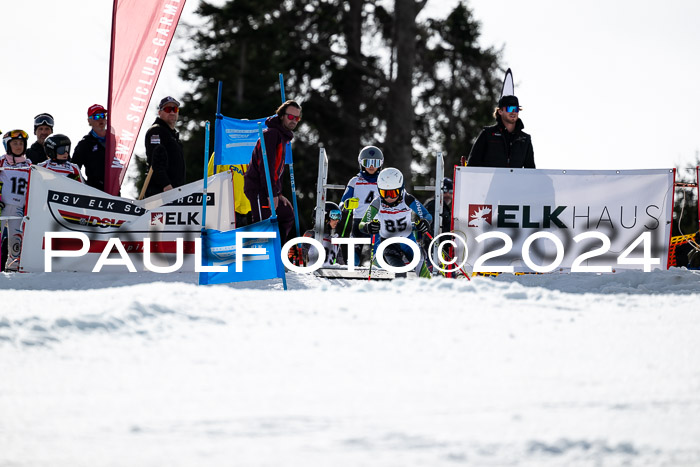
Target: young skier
{"points": [[361, 190], [393, 214], [13, 190], [330, 231], [57, 149]]}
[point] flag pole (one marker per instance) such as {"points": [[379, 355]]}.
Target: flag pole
{"points": [[291, 168], [271, 201]]}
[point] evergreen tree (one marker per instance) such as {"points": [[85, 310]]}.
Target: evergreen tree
{"points": [[360, 72]]}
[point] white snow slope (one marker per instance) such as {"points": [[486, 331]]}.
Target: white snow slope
{"points": [[153, 370]]}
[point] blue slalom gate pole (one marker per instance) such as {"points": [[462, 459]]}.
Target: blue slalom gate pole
{"points": [[291, 169], [204, 191], [270, 200]]}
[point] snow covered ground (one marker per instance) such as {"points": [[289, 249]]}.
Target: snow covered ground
{"points": [[153, 370]]}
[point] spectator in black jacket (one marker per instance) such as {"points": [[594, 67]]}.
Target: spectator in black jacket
{"points": [[446, 218], [504, 144], [164, 151], [43, 127], [90, 151]]}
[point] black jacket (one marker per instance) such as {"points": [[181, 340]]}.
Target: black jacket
{"points": [[165, 155], [36, 153], [495, 147], [90, 153]]}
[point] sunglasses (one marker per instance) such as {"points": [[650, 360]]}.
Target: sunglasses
{"points": [[335, 215], [293, 117], [371, 163], [43, 120], [389, 193], [512, 108], [99, 116], [18, 133], [61, 150], [170, 110]]}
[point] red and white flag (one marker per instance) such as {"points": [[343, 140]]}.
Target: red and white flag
{"points": [[141, 34]]}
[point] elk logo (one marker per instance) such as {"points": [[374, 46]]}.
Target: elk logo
{"points": [[157, 218], [480, 215]]}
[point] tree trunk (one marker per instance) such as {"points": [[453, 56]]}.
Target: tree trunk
{"points": [[400, 115]]}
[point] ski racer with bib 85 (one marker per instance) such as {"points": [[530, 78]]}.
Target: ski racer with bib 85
{"points": [[57, 149], [393, 214], [361, 190], [14, 178], [330, 231]]}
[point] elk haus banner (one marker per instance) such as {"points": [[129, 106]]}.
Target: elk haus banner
{"points": [[141, 34], [581, 208]]}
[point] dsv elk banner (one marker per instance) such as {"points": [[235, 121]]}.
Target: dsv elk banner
{"points": [[531, 207], [58, 204]]}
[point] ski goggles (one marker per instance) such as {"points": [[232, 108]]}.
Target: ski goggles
{"points": [[390, 193], [371, 163], [98, 116], [18, 134], [335, 215], [43, 120], [61, 150], [170, 110], [512, 108]]}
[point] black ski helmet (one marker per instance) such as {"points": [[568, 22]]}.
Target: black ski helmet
{"points": [[57, 144], [447, 185]]}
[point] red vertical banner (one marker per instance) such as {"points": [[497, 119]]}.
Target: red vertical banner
{"points": [[141, 34]]}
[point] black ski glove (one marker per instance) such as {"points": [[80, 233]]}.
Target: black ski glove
{"points": [[373, 227], [422, 226]]}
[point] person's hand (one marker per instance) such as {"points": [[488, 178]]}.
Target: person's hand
{"points": [[373, 227], [284, 201], [281, 199], [422, 226], [351, 203], [167, 187]]}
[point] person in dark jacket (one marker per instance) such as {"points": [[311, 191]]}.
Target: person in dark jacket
{"points": [[277, 134], [446, 218], [504, 144], [43, 127], [164, 151], [90, 151]]}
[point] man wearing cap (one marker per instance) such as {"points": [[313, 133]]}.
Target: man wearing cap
{"points": [[43, 127], [504, 144], [90, 151], [164, 151]]}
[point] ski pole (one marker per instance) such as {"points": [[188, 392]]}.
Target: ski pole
{"points": [[371, 258], [350, 214], [450, 257]]}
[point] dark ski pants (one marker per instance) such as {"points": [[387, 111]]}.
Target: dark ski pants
{"points": [[285, 215]]}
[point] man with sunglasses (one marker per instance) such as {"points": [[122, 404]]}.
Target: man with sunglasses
{"points": [[43, 127], [504, 144], [90, 151], [278, 133], [164, 150]]}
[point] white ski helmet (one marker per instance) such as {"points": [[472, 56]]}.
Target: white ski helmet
{"points": [[370, 156], [390, 185]]}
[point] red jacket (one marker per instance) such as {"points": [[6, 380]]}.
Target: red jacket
{"points": [[276, 139]]}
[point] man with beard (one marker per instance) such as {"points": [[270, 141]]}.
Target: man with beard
{"points": [[504, 144]]}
